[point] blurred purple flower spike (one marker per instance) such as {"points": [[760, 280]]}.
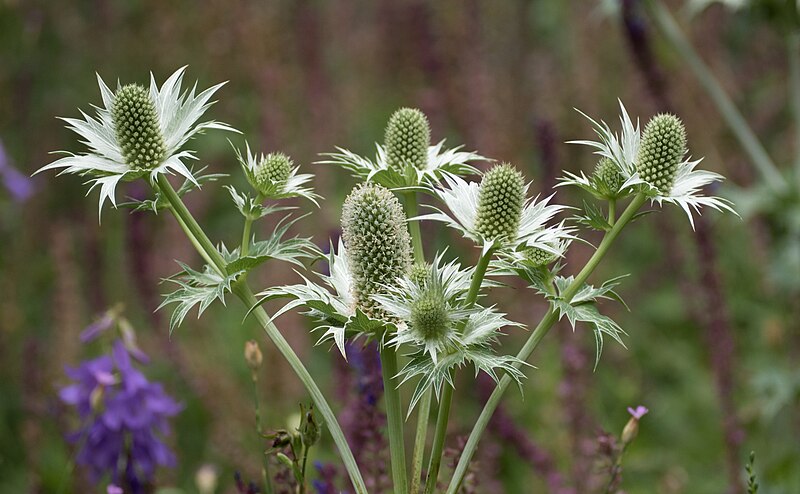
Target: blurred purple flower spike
{"points": [[638, 412], [19, 186], [124, 417], [94, 330]]}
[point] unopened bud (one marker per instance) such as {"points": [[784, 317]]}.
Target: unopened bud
{"points": [[309, 428], [206, 479], [252, 354], [408, 136]]}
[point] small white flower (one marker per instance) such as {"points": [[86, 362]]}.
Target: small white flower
{"points": [[289, 184], [623, 150], [463, 198], [114, 150]]}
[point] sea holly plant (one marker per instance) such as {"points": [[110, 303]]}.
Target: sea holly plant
{"points": [[428, 316]]}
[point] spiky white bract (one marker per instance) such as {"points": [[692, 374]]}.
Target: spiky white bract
{"points": [[623, 149], [443, 331], [462, 198], [105, 163], [440, 163], [287, 183], [331, 304]]}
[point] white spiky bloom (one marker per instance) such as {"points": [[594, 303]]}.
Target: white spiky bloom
{"points": [[462, 198], [623, 150], [289, 184], [176, 113]]}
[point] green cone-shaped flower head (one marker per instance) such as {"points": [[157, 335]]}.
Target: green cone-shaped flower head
{"points": [[502, 195], [429, 316], [419, 273], [273, 171], [607, 172], [662, 148], [138, 132], [407, 138], [537, 256], [377, 241]]}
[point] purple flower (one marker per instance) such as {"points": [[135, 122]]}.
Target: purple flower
{"points": [[124, 417], [19, 186], [638, 412], [113, 489], [94, 330]]}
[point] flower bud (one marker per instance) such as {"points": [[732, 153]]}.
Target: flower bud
{"points": [[206, 479], [502, 194], [272, 172], [419, 273], [630, 430], [407, 138], [429, 316], [537, 256], [252, 355], [137, 128], [309, 428], [608, 173], [96, 398], [662, 148], [377, 241]]}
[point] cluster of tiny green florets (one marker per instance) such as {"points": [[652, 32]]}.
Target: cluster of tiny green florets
{"points": [[430, 319], [419, 273], [377, 241], [407, 138], [502, 195], [537, 256], [662, 148], [273, 171], [138, 132], [607, 173]]}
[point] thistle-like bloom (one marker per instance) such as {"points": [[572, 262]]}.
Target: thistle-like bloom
{"points": [[653, 162], [444, 331], [377, 240], [138, 132], [406, 159], [496, 215], [124, 417], [274, 175]]}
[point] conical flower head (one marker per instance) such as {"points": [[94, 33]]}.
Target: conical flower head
{"points": [[429, 316], [377, 241], [537, 256], [607, 172], [419, 273], [662, 148], [137, 129], [408, 136], [273, 170], [502, 194]]}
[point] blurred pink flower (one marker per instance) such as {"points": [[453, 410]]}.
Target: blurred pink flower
{"points": [[639, 412]]}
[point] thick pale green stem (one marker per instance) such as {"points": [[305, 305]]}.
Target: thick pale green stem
{"points": [[424, 407], [242, 290], [394, 419], [731, 115], [447, 393], [536, 336]]}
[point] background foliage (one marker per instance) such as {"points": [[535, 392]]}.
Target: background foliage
{"points": [[714, 343]]}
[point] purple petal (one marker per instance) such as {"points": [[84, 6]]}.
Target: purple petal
{"points": [[113, 489], [93, 330], [639, 412]]}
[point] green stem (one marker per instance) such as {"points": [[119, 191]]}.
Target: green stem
{"points": [[260, 429], [242, 290], [424, 410], [394, 418], [615, 470], [716, 92], [447, 393], [612, 211], [536, 336], [248, 225]]}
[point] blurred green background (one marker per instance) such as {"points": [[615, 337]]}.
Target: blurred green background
{"points": [[713, 348]]}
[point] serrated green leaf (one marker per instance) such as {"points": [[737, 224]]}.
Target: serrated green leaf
{"points": [[593, 218], [159, 203]]}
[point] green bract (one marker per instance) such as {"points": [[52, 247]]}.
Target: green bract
{"points": [[408, 136], [502, 194], [662, 148], [137, 129], [377, 240]]}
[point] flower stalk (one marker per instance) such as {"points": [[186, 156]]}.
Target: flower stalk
{"points": [[201, 241], [547, 322]]}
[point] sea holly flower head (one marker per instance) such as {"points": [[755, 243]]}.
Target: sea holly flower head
{"points": [[406, 159], [495, 214], [654, 162], [444, 331], [138, 133], [274, 175], [378, 243]]}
